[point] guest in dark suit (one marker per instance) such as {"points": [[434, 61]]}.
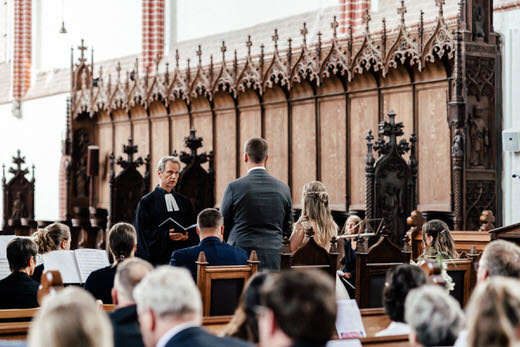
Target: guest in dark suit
{"points": [[54, 237], [122, 242], [298, 310], [18, 290], [154, 244], [210, 230], [124, 317], [257, 208], [170, 311]]}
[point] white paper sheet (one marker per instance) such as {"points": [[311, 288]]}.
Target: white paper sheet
{"points": [[4, 268], [65, 263], [4, 240], [344, 343], [348, 320], [89, 260]]}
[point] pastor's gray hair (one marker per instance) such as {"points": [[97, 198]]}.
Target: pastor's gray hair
{"points": [[434, 316], [165, 159], [169, 292]]}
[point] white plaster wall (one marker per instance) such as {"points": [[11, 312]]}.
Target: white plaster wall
{"points": [[112, 28], [38, 135], [228, 15], [507, 24]]}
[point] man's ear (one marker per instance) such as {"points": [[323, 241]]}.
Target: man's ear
{"points": [[246, 158], [222, 230], [265, 161], [113, 293], [198, 230]]}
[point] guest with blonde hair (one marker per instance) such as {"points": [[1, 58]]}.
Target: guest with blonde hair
{"points": [[70, 318], [54, 237], [437, 240], [316, 214], [493, 315], [352, 226]]}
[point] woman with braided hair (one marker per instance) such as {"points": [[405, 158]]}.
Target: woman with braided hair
{"points": [[54, 237], [437, 240], [315, 214], [122, 242]]}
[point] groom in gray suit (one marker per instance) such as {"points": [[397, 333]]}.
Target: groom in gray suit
{"points": [[257, 208]]}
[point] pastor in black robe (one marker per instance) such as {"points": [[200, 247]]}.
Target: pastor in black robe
{"points": [[153, 244]]}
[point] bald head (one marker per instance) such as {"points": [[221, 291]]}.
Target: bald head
{"points": [[129, 273]]}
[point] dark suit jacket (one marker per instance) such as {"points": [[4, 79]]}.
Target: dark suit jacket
{"points": [[126, 327], [198, 337], [257, 211], [217, 253], [18, 290], [100, 282]]}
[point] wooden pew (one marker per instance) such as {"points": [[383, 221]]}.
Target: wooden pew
{"points": [[15, 323]]}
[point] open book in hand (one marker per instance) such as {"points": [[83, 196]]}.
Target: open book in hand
{"points": [[75, 266], [171, 223]]}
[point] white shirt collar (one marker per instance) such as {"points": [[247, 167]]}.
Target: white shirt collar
{"points": [[255, 168], [174, 331]]}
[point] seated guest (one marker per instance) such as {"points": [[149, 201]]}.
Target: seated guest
{"points": [[170, 311], [437, 240], [493, 316], [298, 309], [210, 230], [70, 318], [18, 290], [499, 258], [244, 324], [122, 242], [53, 237], [399, 281], [352, 226], [434, 317], [315, 214], [124, 319]]}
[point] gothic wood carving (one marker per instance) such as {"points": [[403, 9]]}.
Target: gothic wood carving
{"points": [[128, 186], [392, 190], [195, 182], [18, 196], [467, 47]]}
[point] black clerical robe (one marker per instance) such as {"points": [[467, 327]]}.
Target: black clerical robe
{"points": [[153, 244]]}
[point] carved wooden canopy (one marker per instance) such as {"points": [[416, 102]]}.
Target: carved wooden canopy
{"points": [[345, 57]]}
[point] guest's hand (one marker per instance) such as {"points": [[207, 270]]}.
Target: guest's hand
{"points": [[178, 236], [346, 275]]}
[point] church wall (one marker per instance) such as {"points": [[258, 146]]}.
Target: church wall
{"points": [[38, 135]]}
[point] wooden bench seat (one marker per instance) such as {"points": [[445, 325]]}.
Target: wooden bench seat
{"points": [[15, 323]]}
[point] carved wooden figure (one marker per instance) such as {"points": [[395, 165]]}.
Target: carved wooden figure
{"points": [[18, 199]]}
